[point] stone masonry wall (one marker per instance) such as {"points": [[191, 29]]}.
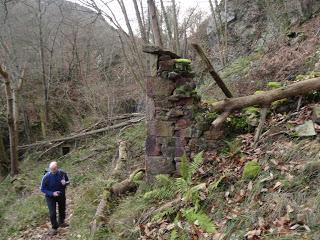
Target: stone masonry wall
{"points": [[172, 130]]}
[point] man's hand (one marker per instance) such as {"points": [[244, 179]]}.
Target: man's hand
{"points": [[56, 194]]}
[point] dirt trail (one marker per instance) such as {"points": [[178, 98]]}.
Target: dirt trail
{"points": [[41, 232]]}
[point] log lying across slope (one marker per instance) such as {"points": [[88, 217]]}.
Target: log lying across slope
{"points": [[266, 98], [82, 135]]}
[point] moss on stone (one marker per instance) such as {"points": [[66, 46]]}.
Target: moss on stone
{"points": [[251, 170]]}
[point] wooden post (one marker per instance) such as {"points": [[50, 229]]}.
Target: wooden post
{"points": [[211, 70]]}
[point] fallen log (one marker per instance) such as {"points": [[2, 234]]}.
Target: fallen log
{"points": [[211, 70], [115, 191], [127, 185], [81, 135], [266, 98]]}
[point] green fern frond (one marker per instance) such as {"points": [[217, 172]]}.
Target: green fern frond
{"points": [[162, 193], [162, 214], [181, 185], [215, 184], [195, 165], [174, 235], [199, 218], [184, 167], [163, 180]]}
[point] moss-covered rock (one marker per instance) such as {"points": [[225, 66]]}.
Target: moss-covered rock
{"points": [[251, 170]]}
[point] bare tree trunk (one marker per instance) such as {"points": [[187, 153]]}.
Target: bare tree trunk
{"points": [[155, 23], [225, 33], [135, 50], [13, 135], [141, 27], [218, 32], [166, 19], [43, 70], [3, 158], [176, 28]]}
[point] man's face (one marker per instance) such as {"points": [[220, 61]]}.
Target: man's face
{"points": [[54, 169]]}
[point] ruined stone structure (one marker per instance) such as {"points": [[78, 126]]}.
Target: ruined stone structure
{"points": [[173, 104]]}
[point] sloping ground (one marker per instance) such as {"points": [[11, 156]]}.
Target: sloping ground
{"points": [[279, 201], [282, 61], [23, 211]]}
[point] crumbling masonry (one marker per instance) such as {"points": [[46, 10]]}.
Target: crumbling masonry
{"points": [[172, 129]]}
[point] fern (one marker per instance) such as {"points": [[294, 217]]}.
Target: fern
{"points": [[162, 214], [163, 180], [184, 167], [162, 193], [182, 185], [174, 235], [199, 218], [165, 188], [195, 165]]}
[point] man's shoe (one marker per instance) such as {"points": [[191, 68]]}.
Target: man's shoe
{"points": [[64, 225], [53, 232]]}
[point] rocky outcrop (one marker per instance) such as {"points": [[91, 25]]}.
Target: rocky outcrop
{"points": [[254, 24]]}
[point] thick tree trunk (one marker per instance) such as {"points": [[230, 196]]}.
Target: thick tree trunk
{"points": [[266, 98], [155, 24], [13, 135]]}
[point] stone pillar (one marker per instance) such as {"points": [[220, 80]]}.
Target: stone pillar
{"points": [[172, 99]]}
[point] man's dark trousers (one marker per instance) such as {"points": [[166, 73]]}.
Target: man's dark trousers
{"points": [[52, 203]]}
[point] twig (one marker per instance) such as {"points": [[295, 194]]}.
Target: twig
{"points": [[299, 103]]}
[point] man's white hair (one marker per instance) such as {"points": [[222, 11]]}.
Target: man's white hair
{"points": [[53, 164]]}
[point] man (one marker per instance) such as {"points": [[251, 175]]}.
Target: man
{"points": [[53, 185]]}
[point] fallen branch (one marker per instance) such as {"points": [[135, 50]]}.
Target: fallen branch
{"points": [[220, 119], [116, 190], [263, 116], [211, 70], [266, 98], [299, 103], [127, 185], [81, 135], [48, 150]]}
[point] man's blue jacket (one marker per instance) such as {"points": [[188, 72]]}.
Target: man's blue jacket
{"points": [[51, 183]]}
